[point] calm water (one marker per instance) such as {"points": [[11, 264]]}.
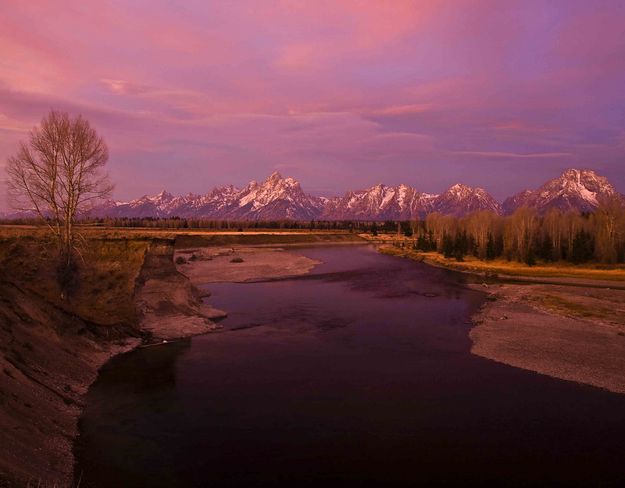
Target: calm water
{"points": [[360, 373]]}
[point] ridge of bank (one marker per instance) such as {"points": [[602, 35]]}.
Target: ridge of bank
{"points": [[51, 348]]}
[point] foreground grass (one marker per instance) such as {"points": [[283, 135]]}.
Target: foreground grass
{"points": [[500, 267]]}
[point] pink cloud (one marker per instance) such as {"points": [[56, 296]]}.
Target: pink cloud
{"points": [[356, 89]]}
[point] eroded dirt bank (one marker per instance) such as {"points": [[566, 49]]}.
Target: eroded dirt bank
{"points": [[51, 348], [169, 304], [568, 332], [48, 359]]}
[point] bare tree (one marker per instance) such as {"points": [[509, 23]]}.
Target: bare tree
{"points": [[59, 174], [479, 225], [553, 227], [609, 221]]}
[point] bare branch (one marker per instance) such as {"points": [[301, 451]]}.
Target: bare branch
{"points": [[59, 173]]}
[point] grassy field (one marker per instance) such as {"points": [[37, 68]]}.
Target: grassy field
{"points": [[502, 267], [201, 236]]}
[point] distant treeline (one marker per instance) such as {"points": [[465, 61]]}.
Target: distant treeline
{"points": [[198, 223], [526, 236], [210, 224]]}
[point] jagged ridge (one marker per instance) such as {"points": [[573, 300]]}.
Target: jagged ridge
{"points": [[283, 198], [580, 190]]}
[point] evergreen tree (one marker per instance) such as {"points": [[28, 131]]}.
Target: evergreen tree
{"points": [[583, 247], [490, 247], [448, 246]]}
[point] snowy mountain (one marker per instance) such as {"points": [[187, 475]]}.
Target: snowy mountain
{"points": [[275, 198], [461, 200], [379, 202], [402, 202], [283, 198], [279, 198], [580, 190]]}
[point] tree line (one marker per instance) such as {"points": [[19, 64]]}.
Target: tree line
{"points": [[527, 236], [214, 224]]}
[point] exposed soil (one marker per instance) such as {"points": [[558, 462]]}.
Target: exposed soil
{"points": [[169, 304], [52, 344], [48, 359], [568, 332], [240, 264]]}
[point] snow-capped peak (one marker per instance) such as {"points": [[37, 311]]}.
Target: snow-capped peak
{"points": [[574, 189], [278, 198]]}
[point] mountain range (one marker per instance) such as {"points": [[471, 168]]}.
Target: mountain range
{"points": [[279, 198]]}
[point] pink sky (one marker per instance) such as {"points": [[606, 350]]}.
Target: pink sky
{"points": [[339, 94]]}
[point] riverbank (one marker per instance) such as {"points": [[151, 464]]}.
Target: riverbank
{"points": [[557, 273], [562, 321], [240, 264], [128, 292], [571, 333], [52, 343]]}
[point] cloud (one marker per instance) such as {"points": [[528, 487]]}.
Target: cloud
{"points": [[123, 87], [354, 90], [498, 154]]}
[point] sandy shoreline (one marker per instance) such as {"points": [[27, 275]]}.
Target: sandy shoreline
{"points": [[566, 332], [241, 264], [571, 328]]}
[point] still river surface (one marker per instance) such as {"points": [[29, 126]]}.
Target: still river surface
{"points": [[359, 373]]}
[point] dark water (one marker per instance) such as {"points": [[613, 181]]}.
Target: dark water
{"points": [[359, 373]]}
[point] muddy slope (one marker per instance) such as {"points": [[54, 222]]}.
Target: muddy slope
{"points": [[48, 358]]}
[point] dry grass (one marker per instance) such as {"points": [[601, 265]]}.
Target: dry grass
{"points": [[195, 237], [512, 268], [564, 306], [103, 288]]}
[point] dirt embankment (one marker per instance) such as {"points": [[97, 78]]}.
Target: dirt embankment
{"points": [[569, 332], [52, 345], [169, 304]]}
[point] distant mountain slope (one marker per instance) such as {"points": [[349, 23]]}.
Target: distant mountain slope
{"points": [[575, 189], [379, 202], [460, 200], [279, 198], [275, 198]]}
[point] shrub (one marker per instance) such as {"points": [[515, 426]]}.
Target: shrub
{"points": [[236, 260], [181, 260]]}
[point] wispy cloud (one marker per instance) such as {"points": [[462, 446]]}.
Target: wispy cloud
{"points": [[407, 91], [500, 154]]}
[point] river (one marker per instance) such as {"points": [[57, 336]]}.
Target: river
{"points": [[359, 372]]}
